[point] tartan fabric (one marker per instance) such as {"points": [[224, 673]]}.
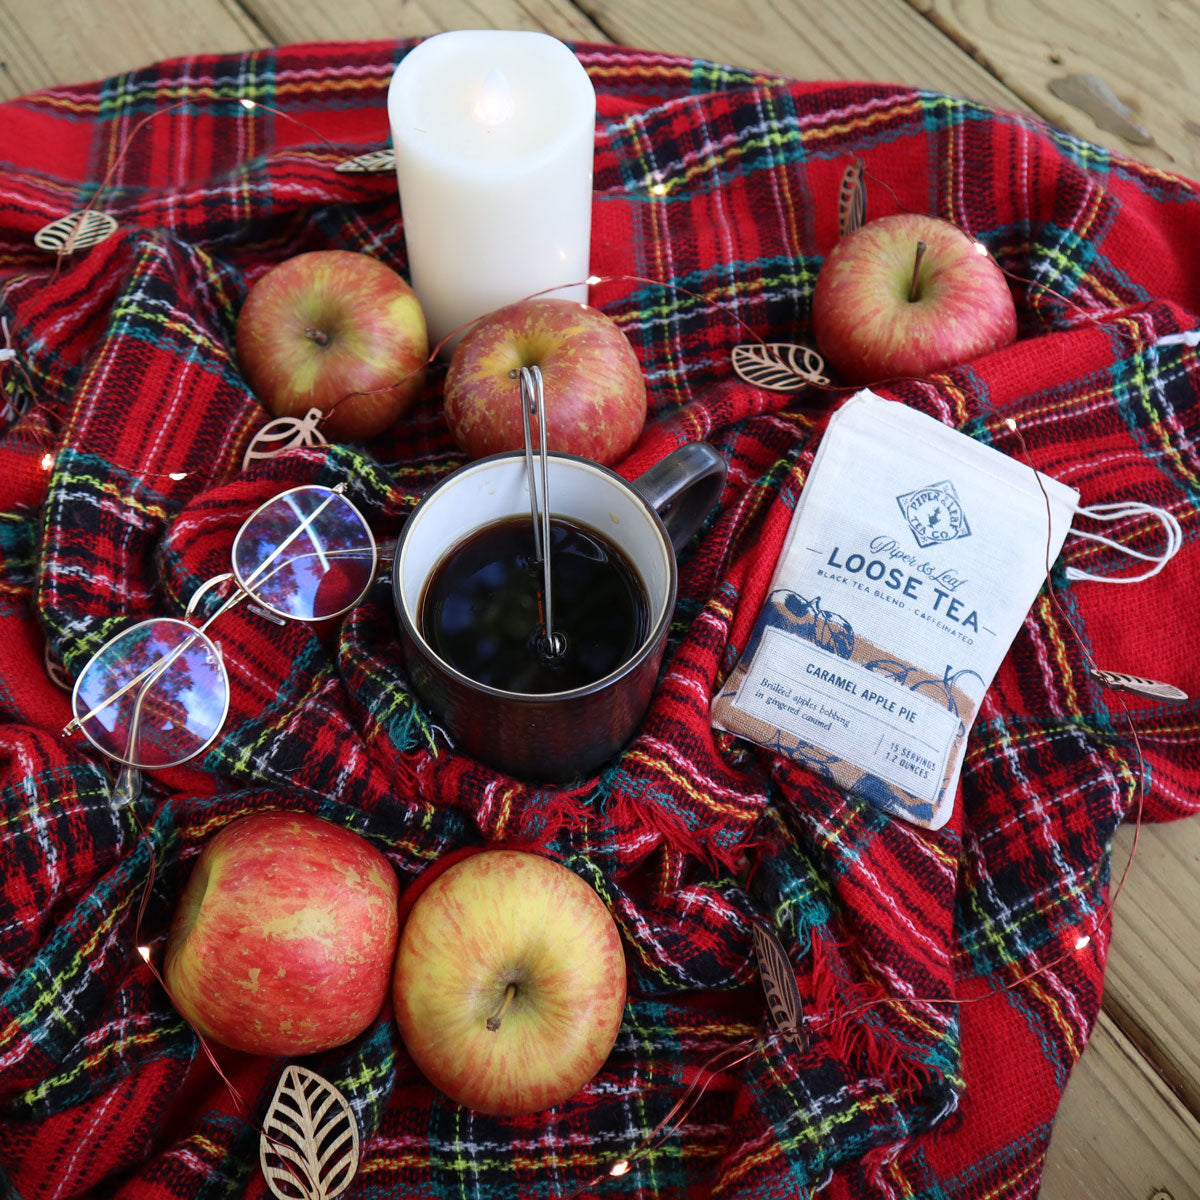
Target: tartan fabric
{"points": [[723, 182]]}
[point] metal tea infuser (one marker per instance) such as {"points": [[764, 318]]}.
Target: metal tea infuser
{"points": [[533, 404]]}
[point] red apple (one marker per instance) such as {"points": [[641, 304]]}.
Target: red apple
{"points": [[908, 295], [595, 395], [284, 938], [323, 325], [510, 982]]}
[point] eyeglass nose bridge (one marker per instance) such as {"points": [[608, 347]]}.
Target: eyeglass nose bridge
{"points": [[239, 595]]}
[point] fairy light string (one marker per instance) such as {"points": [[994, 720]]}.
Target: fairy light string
{"points": [[1078, 310], [740, 1052], [736, 1055], [127, 790], [8, 354], [80, 215]]}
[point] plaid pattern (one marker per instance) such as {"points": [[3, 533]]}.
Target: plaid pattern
{"points": [[725, 183]]}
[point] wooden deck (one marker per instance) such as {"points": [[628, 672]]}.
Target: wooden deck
{"points": [[1130, 1123]]}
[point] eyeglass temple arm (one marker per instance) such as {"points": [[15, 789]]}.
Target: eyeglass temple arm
{"points": [[127, 787], [156, 668]]}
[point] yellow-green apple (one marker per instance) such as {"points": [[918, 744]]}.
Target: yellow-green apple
{"points": [[510, 982], [338, 331], [595, 395], [284, 938], [907, 295]]}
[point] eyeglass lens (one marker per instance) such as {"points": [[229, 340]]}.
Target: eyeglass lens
{"points": [[160, 693], [306, 554]]}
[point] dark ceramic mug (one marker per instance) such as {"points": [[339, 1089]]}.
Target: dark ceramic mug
{"points": [[558, 734]]}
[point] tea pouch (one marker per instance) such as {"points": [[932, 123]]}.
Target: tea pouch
{"points": [[912, 558]]}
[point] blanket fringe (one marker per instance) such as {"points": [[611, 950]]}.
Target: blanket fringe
{"points": [[653, 821], [864, 1043]]}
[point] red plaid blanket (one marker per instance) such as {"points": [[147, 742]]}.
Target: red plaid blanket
{"points": [[688, 836]]}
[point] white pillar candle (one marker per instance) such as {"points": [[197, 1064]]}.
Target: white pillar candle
{"points": [[494, 135]]}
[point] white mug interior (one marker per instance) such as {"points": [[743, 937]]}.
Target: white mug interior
{"points": [[495, 488]]}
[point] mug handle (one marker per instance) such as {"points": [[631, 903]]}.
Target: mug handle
{"points": [[684, 488]]}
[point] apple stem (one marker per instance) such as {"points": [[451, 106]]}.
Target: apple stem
{"points": [[318, 335], [493, 1022], [912, 291]]}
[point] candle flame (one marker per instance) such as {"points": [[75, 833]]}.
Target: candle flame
{"points": [[494, 104]]}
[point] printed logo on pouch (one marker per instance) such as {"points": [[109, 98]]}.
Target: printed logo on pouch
{"points": [[934, 514]]}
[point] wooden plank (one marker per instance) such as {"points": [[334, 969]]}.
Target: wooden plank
{"points": [[53, 42], [1153, 982], [877, 40], [1146, 53], [1120, 1133], [318, 20]]}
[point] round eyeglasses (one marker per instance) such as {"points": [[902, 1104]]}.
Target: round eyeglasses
{"points": [[157, 694]]}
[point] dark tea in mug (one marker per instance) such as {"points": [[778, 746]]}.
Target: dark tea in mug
{"points": [[481, 610]]}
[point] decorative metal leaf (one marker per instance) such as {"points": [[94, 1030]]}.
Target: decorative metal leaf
{"points": [[779, 366], [56, 672], [15, 400], [372, 162], [309, 1143], [852, 198], [285, 433], [75, 231], [1138, 685], [779, 983], [1091, 94]]}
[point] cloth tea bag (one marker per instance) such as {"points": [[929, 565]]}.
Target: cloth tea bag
{"points": [[913, 556]]}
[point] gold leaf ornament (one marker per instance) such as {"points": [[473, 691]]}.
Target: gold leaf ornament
{"points": [[374, 161], [1138, 685], [75, 231], [779, 983], [779, 366], [852, 198], [285, 433], [55, 671], [308, 1148]]}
